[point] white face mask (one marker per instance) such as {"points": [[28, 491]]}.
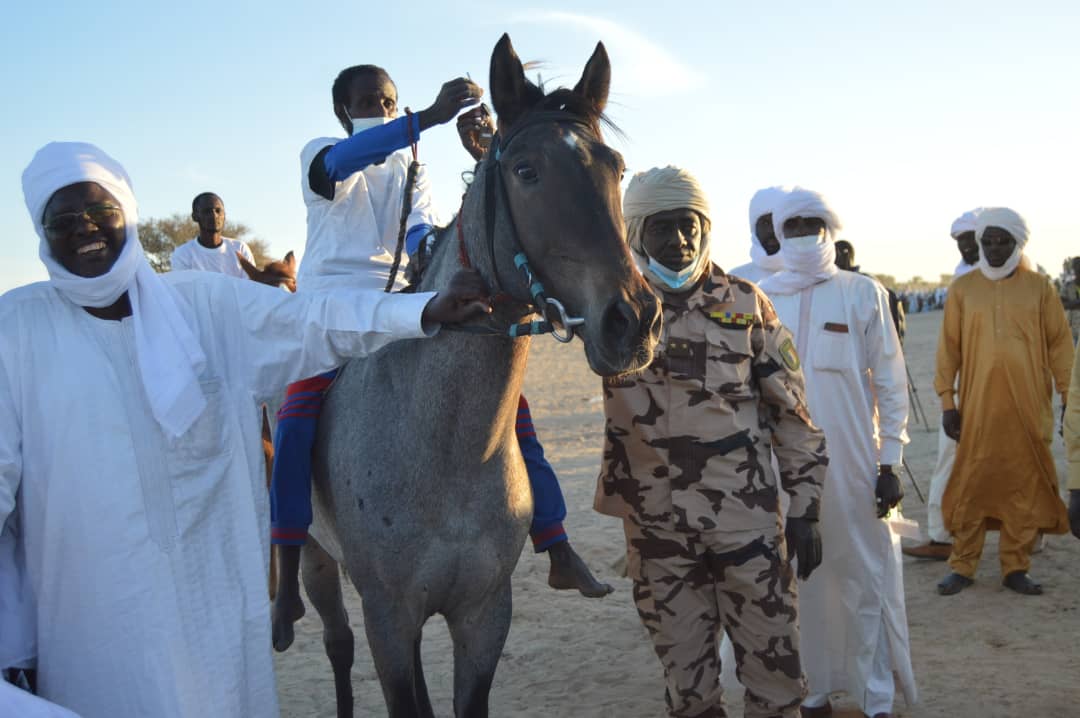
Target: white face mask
{"points": [[804, 242], [359, 124]]}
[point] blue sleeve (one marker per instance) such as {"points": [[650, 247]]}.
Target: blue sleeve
{"points": [[413, 237], [369, 147]]}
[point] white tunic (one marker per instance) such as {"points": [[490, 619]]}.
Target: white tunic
{"points": [[351, 239], [146, 558], [221, 259], [856, 385], [17, 703], [750, 272]]}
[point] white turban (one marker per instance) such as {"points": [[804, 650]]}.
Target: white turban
{"points": [[168, 353], [804, 265], [659, 190], [964, 223], [762, 203], [1012, 223]]}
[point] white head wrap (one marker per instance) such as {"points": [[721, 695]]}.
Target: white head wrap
{"points": [[964, 223], [762, 203], [168, 353], [1012, 223], [803, 266], [659, 190]]}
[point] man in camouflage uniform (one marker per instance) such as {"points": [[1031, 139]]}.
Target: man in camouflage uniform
{"points": [[687, 466]]}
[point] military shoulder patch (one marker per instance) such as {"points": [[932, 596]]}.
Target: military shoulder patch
{"points": [[789, 355], [733, 320]]}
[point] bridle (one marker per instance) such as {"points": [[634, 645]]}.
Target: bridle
{"points": [[495, 195]]}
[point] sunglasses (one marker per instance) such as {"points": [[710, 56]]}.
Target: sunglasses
{"points": [[102, 215]]}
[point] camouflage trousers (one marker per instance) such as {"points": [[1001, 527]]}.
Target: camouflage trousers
{"points": [[690, 586]]}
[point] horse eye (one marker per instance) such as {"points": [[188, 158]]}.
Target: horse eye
{"points": [[525, 172]]}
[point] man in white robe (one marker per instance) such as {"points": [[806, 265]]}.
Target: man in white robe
{"points": [[940, 544], [852, 615], [764, 246], [131, 476]]}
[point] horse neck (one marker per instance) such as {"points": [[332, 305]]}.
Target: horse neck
{"points": [[479, 377]]}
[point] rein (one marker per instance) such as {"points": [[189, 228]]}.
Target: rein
{"points": [[406, 203], [494, 195]]}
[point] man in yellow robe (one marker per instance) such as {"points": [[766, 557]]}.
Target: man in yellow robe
{"points": [[1006, 334]]}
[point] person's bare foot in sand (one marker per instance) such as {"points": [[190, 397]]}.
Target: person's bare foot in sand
{"points": [[569, 572], [288, 607]]}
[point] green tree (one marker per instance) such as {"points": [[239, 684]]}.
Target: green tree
{"points": [[160, 236]]}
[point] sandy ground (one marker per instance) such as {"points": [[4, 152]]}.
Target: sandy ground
{"points": [[987, 652]]}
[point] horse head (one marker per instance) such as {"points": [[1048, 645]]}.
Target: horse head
{"points": [[279, 273], [551, 199]]}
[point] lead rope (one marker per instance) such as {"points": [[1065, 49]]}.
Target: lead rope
{"points": [[406, 202]]}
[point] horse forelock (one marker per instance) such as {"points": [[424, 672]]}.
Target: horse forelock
{"points": [[570, 102]]}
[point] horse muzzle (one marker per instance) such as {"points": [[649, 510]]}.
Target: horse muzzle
{"points": [[626, 336]]}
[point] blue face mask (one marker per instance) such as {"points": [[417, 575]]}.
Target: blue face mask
{"points": [[674, 279]]}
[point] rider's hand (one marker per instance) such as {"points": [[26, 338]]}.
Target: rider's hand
{"points": [[803, 543], [888, 491], [455, 96], [476, 128], [464, 298], [950, 421]]}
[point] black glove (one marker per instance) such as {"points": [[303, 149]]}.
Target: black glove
{"points": [[889, 493], [1074, 512], [804, 543]]}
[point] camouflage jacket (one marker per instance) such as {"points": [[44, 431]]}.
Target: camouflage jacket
{"points": [[687, 442]]}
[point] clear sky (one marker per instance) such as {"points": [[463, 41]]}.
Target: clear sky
{"points": [[903, 114]]}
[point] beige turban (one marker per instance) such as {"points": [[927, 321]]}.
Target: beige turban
{"points": [[659, 190]]}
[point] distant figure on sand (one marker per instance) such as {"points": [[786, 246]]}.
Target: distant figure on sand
{"points": [[210, 251], [1005, 334], [1070, 295], [939, 546], [687, 466], [852, 615]]}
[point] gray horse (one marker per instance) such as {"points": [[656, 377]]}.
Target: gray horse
{"points": [[420, 491]]}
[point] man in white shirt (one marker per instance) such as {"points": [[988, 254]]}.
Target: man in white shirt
{"points": [[211, 252], [852, 616], [132, 499], [939, 546]]}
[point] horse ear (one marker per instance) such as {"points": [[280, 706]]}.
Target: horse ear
{"points": [[596, 80], [507, 82], [250, 269]]}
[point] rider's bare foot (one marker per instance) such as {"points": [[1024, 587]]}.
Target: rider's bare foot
{"points": [[569, 572], [288, 607]]}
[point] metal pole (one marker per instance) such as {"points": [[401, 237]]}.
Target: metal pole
{"points": [[918, 491], [913, 391]]}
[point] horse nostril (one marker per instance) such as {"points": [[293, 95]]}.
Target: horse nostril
{"points": [[619, 321]]}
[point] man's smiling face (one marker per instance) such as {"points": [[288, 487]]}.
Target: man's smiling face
{"points": [[84, 228]]}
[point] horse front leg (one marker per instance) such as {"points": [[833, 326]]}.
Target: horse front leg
{"points": [[479, 632], [393, 634], [322, 581]]}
